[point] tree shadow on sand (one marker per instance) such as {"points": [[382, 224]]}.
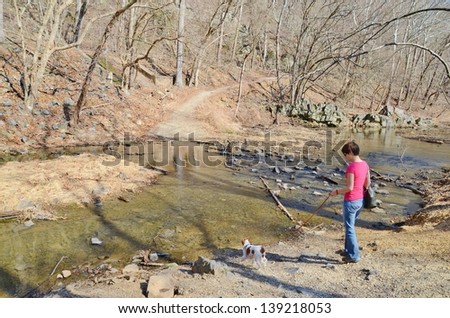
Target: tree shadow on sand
{"points": [[232, 259]]}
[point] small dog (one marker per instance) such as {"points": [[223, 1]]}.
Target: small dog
{"points": [[255, 252]]}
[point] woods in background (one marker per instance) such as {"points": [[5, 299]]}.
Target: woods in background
{"points": [[379, 52]]}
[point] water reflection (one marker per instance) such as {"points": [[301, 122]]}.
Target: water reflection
{"points": [[389, 152]]}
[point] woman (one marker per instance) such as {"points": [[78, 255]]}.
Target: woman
{"points": [[357, 178]]}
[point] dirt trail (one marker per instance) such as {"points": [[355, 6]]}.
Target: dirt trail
{"points": [[183, 120]]}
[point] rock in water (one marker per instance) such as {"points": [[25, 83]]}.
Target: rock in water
{"points": [[66, 273], [153, 257], [96, 241]]}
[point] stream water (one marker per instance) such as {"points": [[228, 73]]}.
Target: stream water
{"points": [[198, 210]]}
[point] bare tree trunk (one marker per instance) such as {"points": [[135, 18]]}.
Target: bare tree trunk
{"points": [[2, 34], [129, 70], [81, 12], [252, 63], [241, 81], [219, 47], [224, 6], [403, 93], [265, 48], [98, 51], [430, 84], [180, 43], [34, 68], [278, 46], [236, 33], [411, 74], [346, 83], [196, 68], [393, 71]]}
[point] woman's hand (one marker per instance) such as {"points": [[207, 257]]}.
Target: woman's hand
{"points": [[334, 193]]}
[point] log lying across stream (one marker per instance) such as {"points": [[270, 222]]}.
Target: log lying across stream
{"points": [[396, 181], [280, 206]]}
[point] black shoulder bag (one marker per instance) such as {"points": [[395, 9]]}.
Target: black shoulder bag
{"points": [[369, 201]]}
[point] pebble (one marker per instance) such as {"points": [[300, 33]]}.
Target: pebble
{"points": [[28, 223], [96, 241], [130, 269], [378, 210], [329, 266], [293, 270], [66, 273]]}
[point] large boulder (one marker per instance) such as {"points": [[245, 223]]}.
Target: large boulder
{"points": [[387, 117], [206, 266], [323, 113], [398, 115], [161, 286], [372, 120]]}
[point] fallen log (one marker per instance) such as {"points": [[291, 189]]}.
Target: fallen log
{"points": [[152, 264], [156, 168], [378, 176], [280, 206], [57, 264], [414, 189], [329, 180], [11, 216]]}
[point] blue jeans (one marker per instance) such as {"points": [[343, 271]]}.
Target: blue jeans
{"points": [[350, 213]]}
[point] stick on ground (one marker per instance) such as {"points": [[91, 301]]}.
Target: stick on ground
{"points": [[280, 206]]}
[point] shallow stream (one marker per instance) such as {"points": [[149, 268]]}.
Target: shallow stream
{"points": [[199, 210]]}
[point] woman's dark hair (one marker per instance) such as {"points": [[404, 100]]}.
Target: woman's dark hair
{"points": [[351, 147]]}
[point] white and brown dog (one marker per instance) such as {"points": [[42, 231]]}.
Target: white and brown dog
{"points": [[255, 252]]}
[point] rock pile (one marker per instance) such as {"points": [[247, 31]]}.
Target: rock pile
{"points": [[388, 117], [331, 115]]}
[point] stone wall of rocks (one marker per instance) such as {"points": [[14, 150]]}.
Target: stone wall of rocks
{"points": [[331, 115], [390, 116], [324, 113]]}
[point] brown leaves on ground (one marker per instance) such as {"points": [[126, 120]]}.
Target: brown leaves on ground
{"points": [[67, 180], [436, 210]]}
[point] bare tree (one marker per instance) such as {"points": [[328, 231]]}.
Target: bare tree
{"points": [[238, 27], [82, 6], [364, 45], [280, 22], [419, 64], [2, 34], [218, 17], [311, 51], [35, 59], [94, 61], [38, 47], [136, 43], [241, 82], [180, 44]]}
